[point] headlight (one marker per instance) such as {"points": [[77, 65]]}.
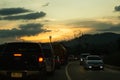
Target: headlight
{"points": [[101, 66], [90, 66], [81, 59]]}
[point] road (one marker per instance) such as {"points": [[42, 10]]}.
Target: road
{"points": [[73, 71], [58, 75]]}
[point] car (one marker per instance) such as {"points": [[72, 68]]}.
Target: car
{"points": [[1, 47], [82, 57], [61, 51], [22, 60], [94, 62], [49, 57]]}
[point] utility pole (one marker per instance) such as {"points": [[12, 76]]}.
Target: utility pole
{"points": [[50, 38]]}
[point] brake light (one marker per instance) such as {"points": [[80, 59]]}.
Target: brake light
{"points": [[40, 59], [17, 55]]}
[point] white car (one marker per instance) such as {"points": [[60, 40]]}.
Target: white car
{"points": [[93, 62]]}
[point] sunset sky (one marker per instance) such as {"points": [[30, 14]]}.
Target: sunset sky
{"points": [[36, 20]]}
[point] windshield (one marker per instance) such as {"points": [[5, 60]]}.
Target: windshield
{"points": [[93, 58]]}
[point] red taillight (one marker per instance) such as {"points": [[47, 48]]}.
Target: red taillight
{"points": [[17, 55], [40, 59]]}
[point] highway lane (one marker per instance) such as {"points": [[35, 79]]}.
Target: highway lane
{"points": [[77, 72], [73, 71], [58, 75]]}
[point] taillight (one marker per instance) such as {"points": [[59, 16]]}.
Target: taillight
{"points": [[17, 55], [40, 59]]}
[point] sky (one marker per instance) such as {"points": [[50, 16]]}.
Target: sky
{"points": [[37, 20]]}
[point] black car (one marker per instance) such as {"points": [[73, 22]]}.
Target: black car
{"points": [[23, 60], [93, 62]]}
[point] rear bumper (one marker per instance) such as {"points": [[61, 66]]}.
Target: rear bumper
{"points": [[21, 74]]}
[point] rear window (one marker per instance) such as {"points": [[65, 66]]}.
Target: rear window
{"points": [[22, 47], [47, 49], [47, 52]]}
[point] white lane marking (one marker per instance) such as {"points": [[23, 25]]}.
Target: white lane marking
{"points": [[66, 71]]}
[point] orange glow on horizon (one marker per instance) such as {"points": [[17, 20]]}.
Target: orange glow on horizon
{"points": [[58, 33]]}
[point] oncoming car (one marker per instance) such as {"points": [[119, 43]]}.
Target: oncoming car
{"points": [[93, 62], [22, 60], [82, 57]]}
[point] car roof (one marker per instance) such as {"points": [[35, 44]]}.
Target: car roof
{"points": [[14, 46], [19, 42], [93, 56], [85, 53]]}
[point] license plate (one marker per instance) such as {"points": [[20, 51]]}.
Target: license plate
{"points": [[95, 65], [16, 74]]}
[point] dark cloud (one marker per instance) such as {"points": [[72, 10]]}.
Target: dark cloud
{"points": [[117, 8], [91, 24], [12, 11], [97, 26], [47, 4], [23, 30], [25, 16], [114, 28]]}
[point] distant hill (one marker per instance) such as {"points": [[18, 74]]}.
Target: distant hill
{"points": [[105, 44], [100, 38], [93, 41]]}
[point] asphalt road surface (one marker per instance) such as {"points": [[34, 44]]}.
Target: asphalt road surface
{"points": [[73, 71]]}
